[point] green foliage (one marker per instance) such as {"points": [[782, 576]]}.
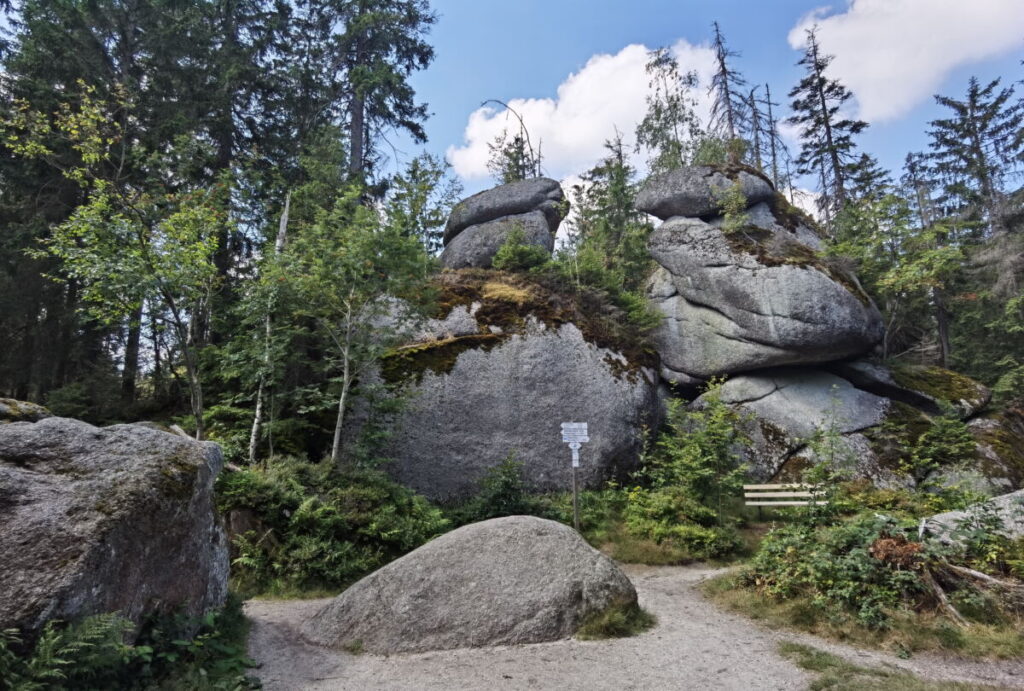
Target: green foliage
{"points": [[734, 205], [701, 451], [92, 654], [946, 444], [670, 127], [618, 620], [672, 516], [607, 244], [420, 198], [515, 254], [319, 528], [502, 493], [833, 569], [512, 158]]}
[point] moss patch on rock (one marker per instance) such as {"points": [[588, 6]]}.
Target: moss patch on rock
{"points": [[778, 249], [410, 363], [941, 384], [1000, 439], [503, 303], [12, 410]]}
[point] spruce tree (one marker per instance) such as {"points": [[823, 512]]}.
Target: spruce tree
{"points": [[730, 114], [383, 43], [608, 234], [974, 153], [827, 147]]}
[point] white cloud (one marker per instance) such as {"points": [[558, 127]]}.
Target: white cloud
{"points": [[893, 54], [607, 93]]}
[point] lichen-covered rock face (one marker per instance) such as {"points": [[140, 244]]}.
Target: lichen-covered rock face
{"points": [[751, 299], [1000, 439], [514, 198], [108, 519], [696, 191], [511, 361], [12, 410], [476, 246], [504, 581]]}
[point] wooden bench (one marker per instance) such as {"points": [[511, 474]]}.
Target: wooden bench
{"points": [[782, 495]]}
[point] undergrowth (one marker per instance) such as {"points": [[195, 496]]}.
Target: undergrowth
{"points": [[92, 654], [619, 620], [310, 527]]}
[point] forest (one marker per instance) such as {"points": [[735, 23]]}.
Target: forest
{"points": [[205, 224]]}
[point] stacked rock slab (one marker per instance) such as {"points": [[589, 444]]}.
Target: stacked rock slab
{"points": [[480, 225], [116, 519], [504, 581], [754, 297]]}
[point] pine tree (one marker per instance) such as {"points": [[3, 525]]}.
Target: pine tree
{"points": [[827, 146], [975, 152]]}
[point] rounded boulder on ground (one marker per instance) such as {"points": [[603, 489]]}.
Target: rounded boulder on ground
{"points": [[504, 581], [97, 520]]}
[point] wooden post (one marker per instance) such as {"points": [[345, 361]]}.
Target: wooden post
{"points": [[575, 495]]}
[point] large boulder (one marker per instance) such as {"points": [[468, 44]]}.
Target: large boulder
{"points": [[751, 299], [696, 191], [476, 245], [511, 199], [500, 582], [108, 519], [782, 411], [507, 363]]}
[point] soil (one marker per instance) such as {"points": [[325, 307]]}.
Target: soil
{"points": [[694, 645]]}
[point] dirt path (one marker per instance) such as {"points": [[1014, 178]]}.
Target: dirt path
{"points": [[694, 646]]}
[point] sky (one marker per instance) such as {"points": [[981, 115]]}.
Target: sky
{"points": [[575, 68]]}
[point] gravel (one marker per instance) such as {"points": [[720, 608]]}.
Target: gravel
{"points": [[694, 645]]}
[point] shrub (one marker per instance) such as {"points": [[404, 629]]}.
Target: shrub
{"points": [[619, 620], [700, 451], [833, 567], [319, 528], [515, 254], [502, 493]]}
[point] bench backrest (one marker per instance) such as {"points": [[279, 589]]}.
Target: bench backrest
{"points": [[783, 495]]}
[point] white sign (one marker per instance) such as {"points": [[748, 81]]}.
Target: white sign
{"points": [[574, 432]]}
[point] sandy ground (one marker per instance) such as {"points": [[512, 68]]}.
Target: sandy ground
{"points": [[695, 645]]}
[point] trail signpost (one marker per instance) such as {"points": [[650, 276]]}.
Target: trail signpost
{"points": [[575, 435]]}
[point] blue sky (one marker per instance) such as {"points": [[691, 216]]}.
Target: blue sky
{"points": [[892, 53]]}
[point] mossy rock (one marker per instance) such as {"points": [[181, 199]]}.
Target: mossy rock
{"points": [[1000, 439], [966, 395], [503, 305], [12, 410]]}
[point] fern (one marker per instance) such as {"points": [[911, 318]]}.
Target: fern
{"points": [[65, 656]]}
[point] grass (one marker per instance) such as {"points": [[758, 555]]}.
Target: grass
{"points": [[836, 674], [910, 631], [620, 620]]}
